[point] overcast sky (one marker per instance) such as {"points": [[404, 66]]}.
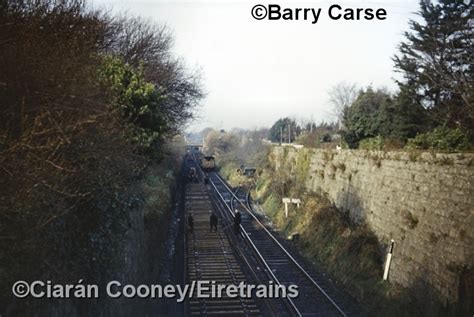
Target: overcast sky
{"points": [[256, 72]]}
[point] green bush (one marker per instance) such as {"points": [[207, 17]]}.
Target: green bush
{"points": [[271, 205], [442, 139], [139, 102]]}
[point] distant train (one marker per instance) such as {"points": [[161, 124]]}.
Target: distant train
{"points": [[208, 163]]}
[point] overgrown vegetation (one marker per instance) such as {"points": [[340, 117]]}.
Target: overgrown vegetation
{"points": [[442, 139], [86, 101]]}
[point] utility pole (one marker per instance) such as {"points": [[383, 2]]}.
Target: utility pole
{"points": [[289, 133], [281, 135]]}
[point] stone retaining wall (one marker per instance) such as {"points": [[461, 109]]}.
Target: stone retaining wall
{"points": [[425, 202]]}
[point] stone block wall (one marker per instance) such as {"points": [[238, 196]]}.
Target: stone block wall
{"points": [[425, 202]]}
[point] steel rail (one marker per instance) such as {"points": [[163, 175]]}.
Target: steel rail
{"points": [[269, 270], [279, 245], [203, 244], [227, 218]]}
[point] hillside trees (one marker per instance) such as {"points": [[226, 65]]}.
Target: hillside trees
{"points": [[78, 112]]}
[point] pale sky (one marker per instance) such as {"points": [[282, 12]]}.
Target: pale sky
{"points": [[255, 72]]}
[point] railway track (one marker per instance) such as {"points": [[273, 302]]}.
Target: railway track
{"points": [[315, 296], [221, 257], [211, 257]]}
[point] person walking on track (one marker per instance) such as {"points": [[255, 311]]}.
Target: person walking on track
{"points": [[213, 221], [237, 221]]}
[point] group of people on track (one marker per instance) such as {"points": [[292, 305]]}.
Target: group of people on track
{"points": [[213, 220]]}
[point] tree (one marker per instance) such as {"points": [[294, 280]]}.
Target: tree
{"points": [[378, 113], [436, 61], [367, 116], [341, 96], [141, 44], [407, 117], [284, 130]]}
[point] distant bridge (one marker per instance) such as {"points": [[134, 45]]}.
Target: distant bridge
{"points": [[191, 146]]}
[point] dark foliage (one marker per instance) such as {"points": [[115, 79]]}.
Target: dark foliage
{"points": [[68, 157], [436, 60]]}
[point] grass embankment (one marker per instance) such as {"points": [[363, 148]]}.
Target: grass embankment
{"points": [[349, 253]]}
